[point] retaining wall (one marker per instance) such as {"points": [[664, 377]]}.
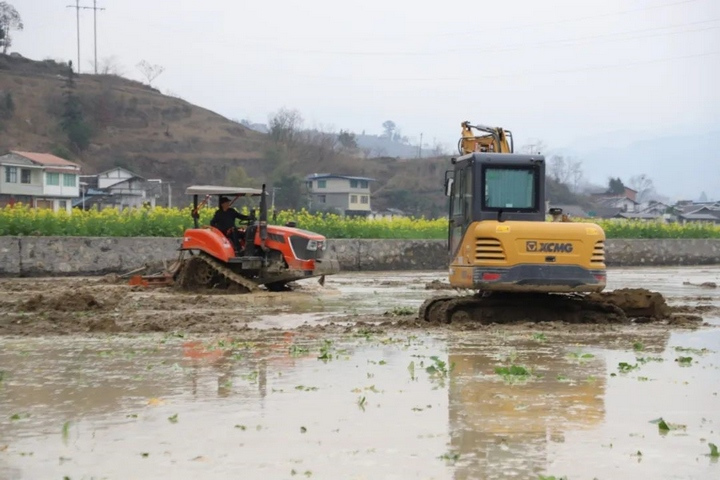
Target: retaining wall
{"points": [[37, 256]]}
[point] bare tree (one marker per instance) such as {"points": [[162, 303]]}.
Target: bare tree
{"points": [[149, 71], [534, 148], [9, 20], [566, 170], [389, 127], [109, 66], [284, 125], [643, 185]]}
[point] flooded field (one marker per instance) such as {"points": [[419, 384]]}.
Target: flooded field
{"points": [[275, 390]]}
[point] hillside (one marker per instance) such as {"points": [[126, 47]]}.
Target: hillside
{"points": [[159, 136]]}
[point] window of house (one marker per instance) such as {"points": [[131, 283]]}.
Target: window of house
{"points": [[11, 174], [52, 178], [69, 180], [25, 175], [322, 198], [322, 183], [364, 199], [353, 184], [363, 184], [353, 198], [62, 204]]}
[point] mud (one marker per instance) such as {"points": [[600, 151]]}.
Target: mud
{"points": [[62, 306]]}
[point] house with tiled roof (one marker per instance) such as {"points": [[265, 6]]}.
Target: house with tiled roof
{"points": [[41, 180]]}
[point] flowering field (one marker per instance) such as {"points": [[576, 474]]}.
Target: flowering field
{"points": [[164, 222]]}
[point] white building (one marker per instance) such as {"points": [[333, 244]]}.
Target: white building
{"points": [[119, 188], [41, 180], [342, 193]]}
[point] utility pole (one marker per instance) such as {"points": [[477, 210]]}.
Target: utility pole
{"points": [[94, 8], [420, 148]]}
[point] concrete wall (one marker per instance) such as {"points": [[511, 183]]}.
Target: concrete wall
{"points": [[36, 256]]}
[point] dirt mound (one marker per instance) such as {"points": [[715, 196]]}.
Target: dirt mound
{"points": [[635, 302], [68, 301]]}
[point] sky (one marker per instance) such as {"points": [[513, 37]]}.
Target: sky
{"points": [[562, 72]]}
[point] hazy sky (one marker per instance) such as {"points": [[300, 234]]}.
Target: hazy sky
{"points": [[555, 70]]}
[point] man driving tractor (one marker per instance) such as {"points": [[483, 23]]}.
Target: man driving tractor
{"points": [[224, 220]]}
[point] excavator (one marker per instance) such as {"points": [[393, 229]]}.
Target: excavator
{"points": [[499, 242]]}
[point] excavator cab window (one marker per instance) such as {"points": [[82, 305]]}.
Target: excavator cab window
{"points": [[510, 188]]}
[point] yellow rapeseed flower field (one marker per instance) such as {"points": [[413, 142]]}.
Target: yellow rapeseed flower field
{"points": [[171, 222]]}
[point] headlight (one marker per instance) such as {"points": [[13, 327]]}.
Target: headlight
{"points": [[312, 245]]}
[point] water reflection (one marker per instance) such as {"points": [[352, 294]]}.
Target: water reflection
{"points": [[265, 406]]}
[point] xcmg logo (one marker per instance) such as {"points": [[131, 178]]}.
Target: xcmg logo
{"points": [[549, 247]]}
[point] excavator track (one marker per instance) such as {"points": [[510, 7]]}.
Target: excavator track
{"points": [[190, 275], [619, 306]]}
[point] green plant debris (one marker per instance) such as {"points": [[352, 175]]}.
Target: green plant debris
{"points": [[307, 473], [665, 427], [684, 361], [382, 362], [713, 450], [298, 350], [145, 454], [361, 402], [450, 457], [644, 360], [173, 418], [551, 477], [439, 368], [303, 430], [540, 337], [513, 373], [66, 431], [251, 377], [241, 427], [306, 388], [580, 356], [131, 415], [638, 346], [19, 416], [411, 369], [625, 367], [400, 311], [637, 454], [3, 374], [643, 379], [326, 351], [696, 351], [562, 378]]}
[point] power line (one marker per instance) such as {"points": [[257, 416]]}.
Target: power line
{"points": [[523, 74], [563, 42], [94, 8]]}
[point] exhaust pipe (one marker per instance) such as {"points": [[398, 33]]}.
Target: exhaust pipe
{"points": [[263, 218]]}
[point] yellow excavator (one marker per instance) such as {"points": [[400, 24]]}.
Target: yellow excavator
{"points": [[498, 236]]}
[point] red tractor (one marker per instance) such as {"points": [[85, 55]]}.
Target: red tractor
{"points": [[253, 254]]}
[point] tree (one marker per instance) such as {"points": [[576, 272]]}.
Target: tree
{"points": [[643, 185], [389, 127], [73, 122], [284, 126], [347, 140], [150, 72], [288, 192], [566, 170], [9, 20], [616, 186], [237, 177], [109, 66]]}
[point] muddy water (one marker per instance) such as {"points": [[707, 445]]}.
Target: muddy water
{"points": [[369, 402]]}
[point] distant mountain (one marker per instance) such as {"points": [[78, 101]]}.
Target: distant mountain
{"points": [[681, 166]]}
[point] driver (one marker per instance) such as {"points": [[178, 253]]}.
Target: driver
{"points": [[224, 220]]}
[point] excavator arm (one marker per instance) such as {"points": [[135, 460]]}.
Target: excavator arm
{"points": [[492, 139]]}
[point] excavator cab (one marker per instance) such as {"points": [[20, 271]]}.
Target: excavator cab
{"points": [[498, 239]]}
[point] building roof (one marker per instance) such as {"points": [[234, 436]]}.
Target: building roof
{"points": [[604, 212], [637, 216], [45, 159], [132, 174], [700, 216], [316, 176]]}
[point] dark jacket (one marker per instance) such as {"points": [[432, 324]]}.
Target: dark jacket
{"points": [[225, 220]]}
